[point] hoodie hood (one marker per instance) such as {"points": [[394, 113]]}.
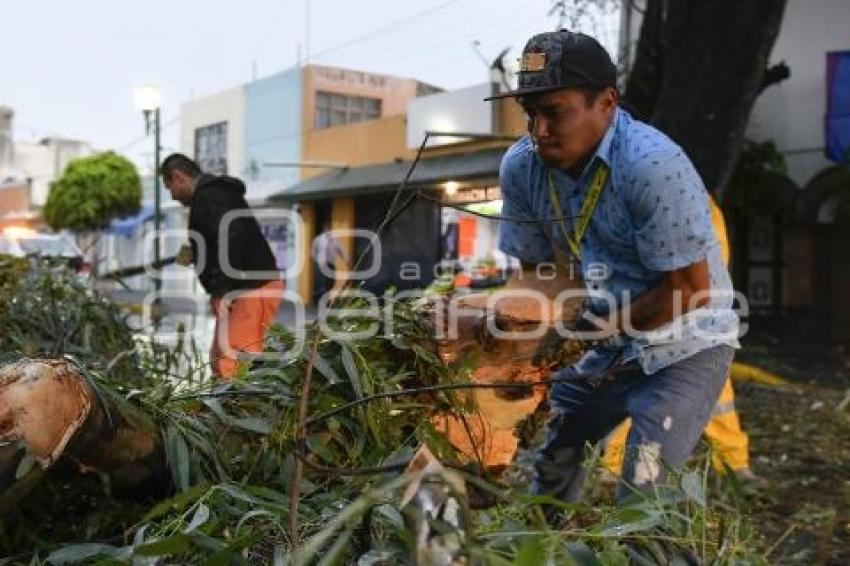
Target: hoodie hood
{"points": [[232, 185]]}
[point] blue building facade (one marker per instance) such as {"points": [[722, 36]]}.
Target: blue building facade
{"points": [[273, 127]]}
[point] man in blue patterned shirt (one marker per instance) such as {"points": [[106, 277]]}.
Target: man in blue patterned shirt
{"points": [[625, 203]]}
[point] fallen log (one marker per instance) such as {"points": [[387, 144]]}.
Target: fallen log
{"points": [[50, 412]]}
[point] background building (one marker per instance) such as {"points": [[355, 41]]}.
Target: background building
{"points": [[27, 169], [275, 131], [367, 163]]}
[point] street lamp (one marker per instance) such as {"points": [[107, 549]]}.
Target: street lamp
{"points": [[147, 98]]}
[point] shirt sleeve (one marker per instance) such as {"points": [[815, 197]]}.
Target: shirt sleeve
{"points": [[520, 231], [670, 213]]}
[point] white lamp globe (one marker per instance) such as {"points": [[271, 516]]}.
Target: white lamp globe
{"points": [[147, 98]]}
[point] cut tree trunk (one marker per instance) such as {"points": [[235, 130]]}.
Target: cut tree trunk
{"points": [[489, 436], [48, 412]]}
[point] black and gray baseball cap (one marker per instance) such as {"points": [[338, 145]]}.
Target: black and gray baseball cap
{"points": [[562, 59]]}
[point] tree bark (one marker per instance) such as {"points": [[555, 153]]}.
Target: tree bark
{"points": [[715, 56], [644, 80], [48, 412]]}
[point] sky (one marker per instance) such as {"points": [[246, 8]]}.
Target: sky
{"points": [[70, 68]]}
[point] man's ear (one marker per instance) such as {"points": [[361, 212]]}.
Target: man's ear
{"points": [[609, 99]]}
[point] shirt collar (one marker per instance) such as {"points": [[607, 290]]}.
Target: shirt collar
{"points": [[603, 151]]}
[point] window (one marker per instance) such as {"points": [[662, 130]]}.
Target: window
{"points": [[340, 109], [211, 148]]}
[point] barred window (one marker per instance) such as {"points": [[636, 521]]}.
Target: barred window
{"points": [[338, 109], [211, 148]]}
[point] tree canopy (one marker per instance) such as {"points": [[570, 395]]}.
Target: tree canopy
{"points": [[92, 191]]}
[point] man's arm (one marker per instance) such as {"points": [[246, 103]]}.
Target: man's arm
{"points": [[668, 205], [209, 209], [672, 297]]}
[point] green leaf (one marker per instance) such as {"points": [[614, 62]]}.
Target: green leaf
{"points": [[335, 554], [79, 552], [139, 537], [532, 552], [252, 514], [582, 554], [737, 487], [629, 520], [25, 465], [176, 503], [201, 516], [216, 408], [274, 498], [323, 367], [229, 555], [535, 499], [392, 515], [316, 445], [177, 453], [238, 493], [693, 488], [173, 545], [253, 424], [350, 366], [203, 541]]}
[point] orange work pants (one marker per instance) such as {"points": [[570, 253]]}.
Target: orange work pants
{"points": [[241, 321]]}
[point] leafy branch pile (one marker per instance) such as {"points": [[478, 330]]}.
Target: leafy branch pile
{"points": [[48, 311], [229, 450]]}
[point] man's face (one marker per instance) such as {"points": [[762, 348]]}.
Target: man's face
{"points": [[564, 127], [180, 185]]}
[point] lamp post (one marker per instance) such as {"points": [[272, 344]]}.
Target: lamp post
{"points": [[147, 99]]}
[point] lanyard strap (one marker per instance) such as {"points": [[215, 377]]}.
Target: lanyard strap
{"points": [[587, 208]]}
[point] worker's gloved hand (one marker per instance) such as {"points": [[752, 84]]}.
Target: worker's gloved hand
{"points": [[185, 255]]}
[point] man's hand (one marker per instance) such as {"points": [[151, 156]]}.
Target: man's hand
{"points": [[185, 256]]}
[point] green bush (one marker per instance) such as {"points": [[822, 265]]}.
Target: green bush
{"points": [[92, 191]]}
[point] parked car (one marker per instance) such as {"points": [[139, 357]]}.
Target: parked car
{"points": [[27, 243]]}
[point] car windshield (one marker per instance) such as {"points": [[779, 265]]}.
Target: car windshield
{"points": [[48, 246]]}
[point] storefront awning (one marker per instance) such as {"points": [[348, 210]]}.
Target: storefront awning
{"points": [[482, 165]]}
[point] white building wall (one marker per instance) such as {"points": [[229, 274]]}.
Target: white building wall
{"points": [[44, 162], [226, 106], [792, 112], [462, 110]]}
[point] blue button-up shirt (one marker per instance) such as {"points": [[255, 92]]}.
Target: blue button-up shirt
{"points": [[652, 217]]}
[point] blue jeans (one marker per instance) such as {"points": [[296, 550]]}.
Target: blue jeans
{"points": [[669, 410]]}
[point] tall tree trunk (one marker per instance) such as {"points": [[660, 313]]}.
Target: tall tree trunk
{"points": [[644, 80], [715, 58]]}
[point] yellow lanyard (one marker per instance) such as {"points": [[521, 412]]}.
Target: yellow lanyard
{"points": [[587, 208]]}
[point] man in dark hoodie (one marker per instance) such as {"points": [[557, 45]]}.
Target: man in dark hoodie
{"points": [[244, 294]]}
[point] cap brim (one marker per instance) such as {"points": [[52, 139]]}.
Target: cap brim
{"points": [[525, 91]]}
